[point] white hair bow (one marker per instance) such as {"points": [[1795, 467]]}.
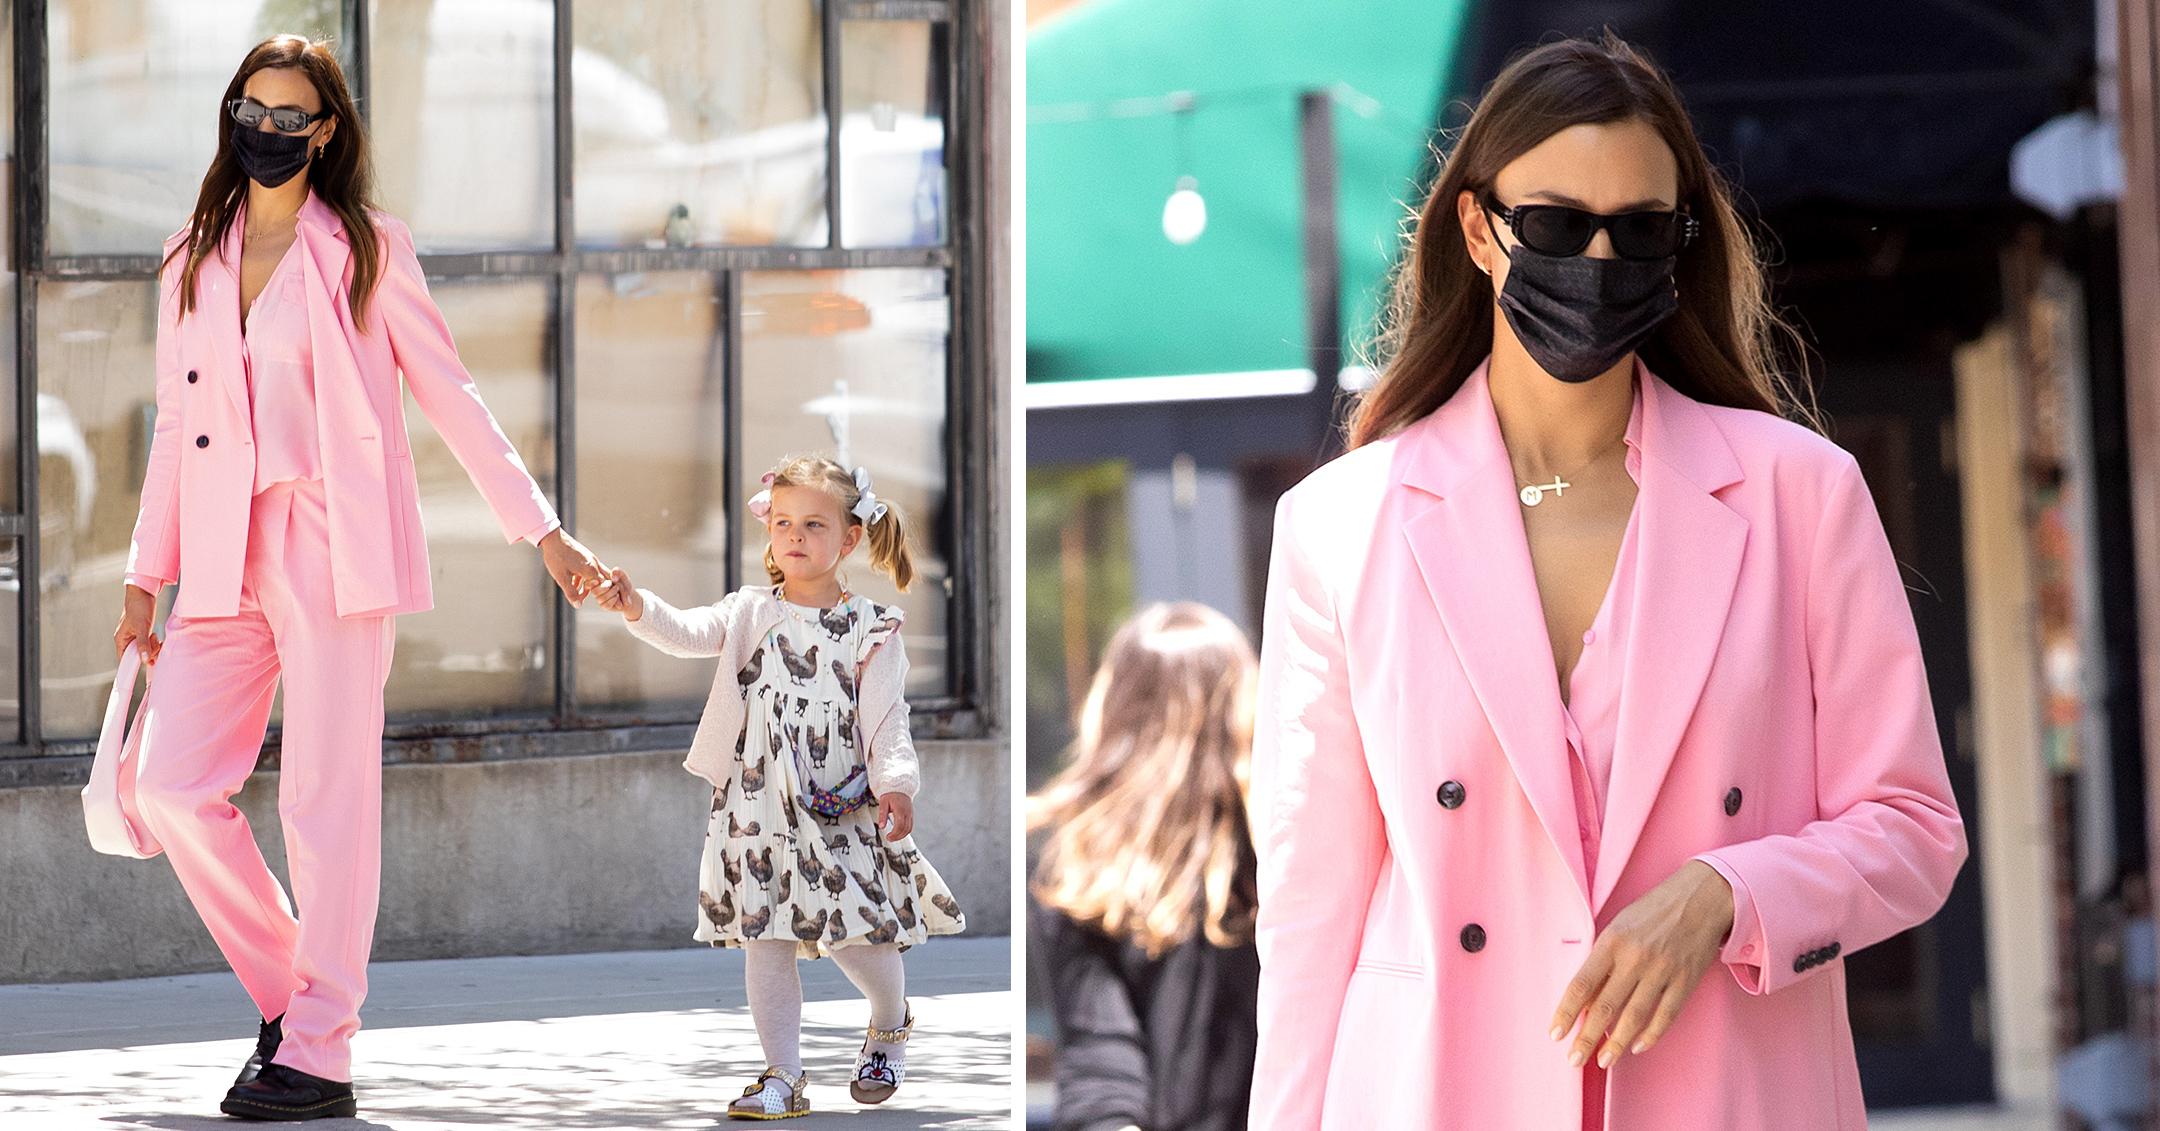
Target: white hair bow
{"points": [[869, 508]]}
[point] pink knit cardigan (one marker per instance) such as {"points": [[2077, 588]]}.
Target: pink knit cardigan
{"points": [[732, 628]]}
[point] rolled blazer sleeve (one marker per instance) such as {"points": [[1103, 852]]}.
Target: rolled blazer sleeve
{"points": [[154, 547], [1317, 828], [1889, 842], [420, 339]]}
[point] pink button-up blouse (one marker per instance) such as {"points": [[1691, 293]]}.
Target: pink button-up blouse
{"points": [[278, 360], [1591, 719]]}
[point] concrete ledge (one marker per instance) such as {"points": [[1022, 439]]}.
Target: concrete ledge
{"points": [[536, 856]]}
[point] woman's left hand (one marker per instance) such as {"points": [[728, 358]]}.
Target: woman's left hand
{"points": [[1643, 967], [896, 815], [575, 570]]}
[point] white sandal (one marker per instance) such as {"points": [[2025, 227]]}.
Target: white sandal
{"points": [[876, 1076], [760, 1102]]}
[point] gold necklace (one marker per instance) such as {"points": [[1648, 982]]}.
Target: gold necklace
{"points": [[1534, 493]]}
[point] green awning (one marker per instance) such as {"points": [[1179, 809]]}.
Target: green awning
{"points": [[1108, 295]]}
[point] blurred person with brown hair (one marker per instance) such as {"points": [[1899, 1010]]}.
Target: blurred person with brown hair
{"points": [[1144, 897]]}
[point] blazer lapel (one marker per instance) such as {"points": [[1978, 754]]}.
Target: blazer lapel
{"points": [[218, 304], [1689, 546], [1474, 556]]}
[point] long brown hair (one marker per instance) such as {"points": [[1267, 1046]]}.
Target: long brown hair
{"points": [[1147, 833], [1724, 346], [343, 175], [887, 537]]}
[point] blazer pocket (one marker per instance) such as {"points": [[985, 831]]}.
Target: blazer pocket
{"points": [[1389, 968]]}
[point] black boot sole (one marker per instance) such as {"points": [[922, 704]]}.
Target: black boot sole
{"points": [[343, 1107]]}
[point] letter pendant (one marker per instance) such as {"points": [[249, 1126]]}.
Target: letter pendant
{"points": [[1534, 493]]}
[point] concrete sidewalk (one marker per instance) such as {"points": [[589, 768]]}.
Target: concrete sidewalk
{"points": [[595, 1042]]}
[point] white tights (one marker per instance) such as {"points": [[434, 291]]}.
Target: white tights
{"points": [[774, 988]]}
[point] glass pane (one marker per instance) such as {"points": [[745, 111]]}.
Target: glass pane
{"points": [[1079, 590], [464, 95], [852, 364], [135, 108], [699, 122], [892, 133], [650, 422], [485, 644], [96, 344]]}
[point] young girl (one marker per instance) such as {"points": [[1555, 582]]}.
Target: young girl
{"points": [[805, 740]]}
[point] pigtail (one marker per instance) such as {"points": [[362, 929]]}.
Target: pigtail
{"points": [[888, 548]]}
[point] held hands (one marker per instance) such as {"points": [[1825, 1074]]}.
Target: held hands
{"points": [[896, 815], [573, 567], [1642, 969], [617, 595], [136, 609]]}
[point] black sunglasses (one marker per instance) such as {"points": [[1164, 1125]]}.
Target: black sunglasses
{"points": [[250, 113], [1556, 229]]}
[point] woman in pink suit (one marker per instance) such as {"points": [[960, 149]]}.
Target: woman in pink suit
{"points": [[281, 495], [1593, 726]]}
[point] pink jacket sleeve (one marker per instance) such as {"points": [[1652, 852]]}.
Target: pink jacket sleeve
{"points": [[1317, 829], [445, 392], [1888, 841], [154, 547]]}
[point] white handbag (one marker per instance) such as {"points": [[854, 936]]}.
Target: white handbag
{"points": [[109, 810]]}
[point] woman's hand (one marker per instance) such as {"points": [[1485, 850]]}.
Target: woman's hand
{"points": [[136, 609], [898, 815], [575, 570], [617, 595], [1642, 969]]}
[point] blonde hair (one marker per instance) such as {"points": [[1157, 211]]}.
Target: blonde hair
{"points": [[1147, 834], [887, 536]]}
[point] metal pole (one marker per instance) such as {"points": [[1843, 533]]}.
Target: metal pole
{"points": [[1323, 263]]}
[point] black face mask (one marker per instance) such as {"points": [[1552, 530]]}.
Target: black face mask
{"points": [[269, 158], [1577, 316]]}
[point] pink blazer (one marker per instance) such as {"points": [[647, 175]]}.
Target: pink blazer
{"points": [[199, 487], [1423, 897]]}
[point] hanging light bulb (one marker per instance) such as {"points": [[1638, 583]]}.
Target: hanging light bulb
{"points": [[1184, 215]]}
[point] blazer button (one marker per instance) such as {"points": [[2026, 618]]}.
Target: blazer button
{"points": [[1732, 801], [1452, 794], [1830, 951], [190, 376], [202, 441], [1473, 938]]}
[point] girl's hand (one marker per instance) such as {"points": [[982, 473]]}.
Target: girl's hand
{"points": [[575, 570], [136, 609], [619, 596], [1642, 969], [897, 815]]}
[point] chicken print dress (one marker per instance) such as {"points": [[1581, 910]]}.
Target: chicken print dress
{"points": [[772, 868]]}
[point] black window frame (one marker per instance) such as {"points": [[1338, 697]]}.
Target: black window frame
{"points": [[964, 711]]}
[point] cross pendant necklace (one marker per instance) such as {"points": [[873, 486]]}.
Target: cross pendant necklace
{"points": [[1534, 493]]}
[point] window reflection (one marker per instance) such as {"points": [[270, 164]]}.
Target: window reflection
{"points": [[463, 121], [892, 133], [699, 122], [852, 364], [96, 405], [485, 644], [651, 434]]}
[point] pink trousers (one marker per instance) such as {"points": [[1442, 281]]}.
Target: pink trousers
{"points": [[203, 722]]}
